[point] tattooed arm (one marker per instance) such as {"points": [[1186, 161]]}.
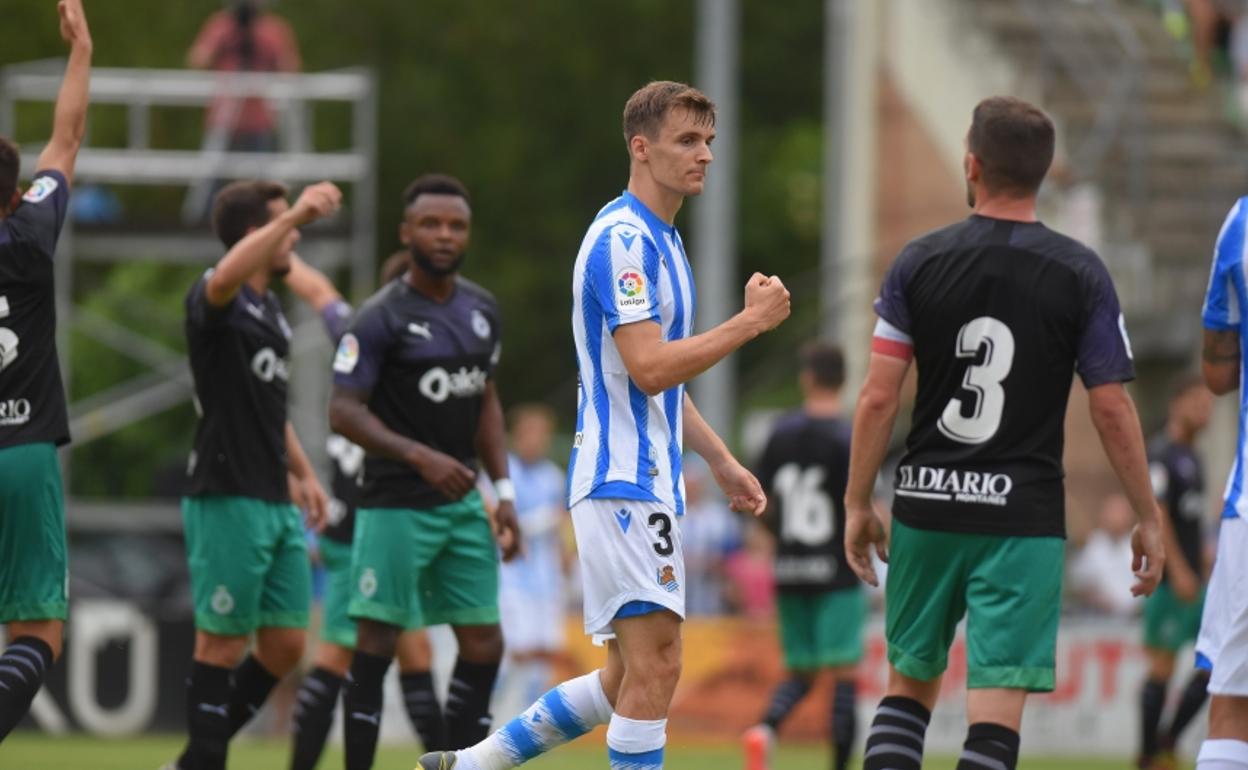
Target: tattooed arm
{"points": [[1220, 361]]}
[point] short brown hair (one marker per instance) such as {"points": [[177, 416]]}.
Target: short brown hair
{"points": [[1013, 141], [10, 168], [241, 206], [649, 105], [825, 362]]}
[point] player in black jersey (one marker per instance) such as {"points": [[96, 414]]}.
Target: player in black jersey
{"points": [[1172, 614], [34, 572], [244, 538], [314, 707], [998, 312], [821, 604], [413, 385]]}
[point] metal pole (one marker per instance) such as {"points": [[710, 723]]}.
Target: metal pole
{"points": [[715, 212], [849, 171]]}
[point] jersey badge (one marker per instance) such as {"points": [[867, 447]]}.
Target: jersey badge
{"points": [[667, 578], [40, 189], [480, 325], [348, 354], [222, 601], [630, 291], [368, 583], [625, 518]]}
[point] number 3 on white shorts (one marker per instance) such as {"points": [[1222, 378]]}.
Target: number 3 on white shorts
{"points": [[984, 380]]}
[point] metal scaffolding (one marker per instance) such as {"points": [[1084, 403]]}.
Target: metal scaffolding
{"points": [[348, 244]]}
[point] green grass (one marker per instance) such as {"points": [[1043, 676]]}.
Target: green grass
{"points": [[37, 752]]}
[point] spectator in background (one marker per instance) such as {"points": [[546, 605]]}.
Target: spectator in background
{"points": [[245, 37], [711, 534], [751, 575], [531, 586], [1099, 577]]}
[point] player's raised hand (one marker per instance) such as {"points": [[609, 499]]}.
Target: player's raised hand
{"points": [[864, 531], [1148, 556], [767, 300], [317, 202], [744, 493], [507, 529], [444, 473], [74, 28]]}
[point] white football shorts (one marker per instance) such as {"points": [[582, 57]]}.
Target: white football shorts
{"points": [[1223, 641], [629, 551]]}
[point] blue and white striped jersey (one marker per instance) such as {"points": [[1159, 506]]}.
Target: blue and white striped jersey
{"points": [[631, 268], [1224, 303]]}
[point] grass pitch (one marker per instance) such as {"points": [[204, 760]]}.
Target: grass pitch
{"points": [[23, 751]]}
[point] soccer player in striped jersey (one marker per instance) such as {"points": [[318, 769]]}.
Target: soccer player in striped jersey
{"points": [[632, 320], [1222, 647], [34, 573]]}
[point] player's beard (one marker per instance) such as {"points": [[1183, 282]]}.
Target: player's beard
{"points": [[422, 259]]}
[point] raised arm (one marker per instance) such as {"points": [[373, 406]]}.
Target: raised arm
{"points": [[1113, 413], [311, 285], [878, 404], [69, 122], [491, 444], [257, 247], [656, 365], [739, 485], [1219, 361]]}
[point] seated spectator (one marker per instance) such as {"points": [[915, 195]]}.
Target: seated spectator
{"points": [[1100, 574], [710, 534]]}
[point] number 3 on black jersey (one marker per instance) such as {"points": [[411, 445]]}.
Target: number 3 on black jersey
{"points": [[983, 380], [8, 337]]}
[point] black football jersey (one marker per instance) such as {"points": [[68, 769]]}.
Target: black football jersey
{"points": [[422, 367], [1001, 314], [32, 395], [804, 470], [1179, 485], [240, 365]]}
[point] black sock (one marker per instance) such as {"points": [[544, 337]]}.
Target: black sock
{"points": [[252, 684], [468, 703], [423, 709], [1194, 696], [784, 699], [207, 718], [989, 747], [22, 669], [1152, 701], [314, 714], [844, 721], [361, 704], [897, 735]]}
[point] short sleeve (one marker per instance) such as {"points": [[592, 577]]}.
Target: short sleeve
{"points": [[361, 351], [337, 317], [891, 305], [1104, 353], [202, 314], [37, 221], [623, 274], [1222, 310]]}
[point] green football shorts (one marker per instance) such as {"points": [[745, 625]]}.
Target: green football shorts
{"points": [[34, 572], [1169, 623], [249, 564], [1009, 589], [412, 568], [336, 626], [822, 629]]}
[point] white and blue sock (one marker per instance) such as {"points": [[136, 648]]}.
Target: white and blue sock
{"points": [[1223, 754], [565, 713], [636, 744]]}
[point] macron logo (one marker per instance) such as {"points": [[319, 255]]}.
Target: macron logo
{"points": [[627, 239], [625, 518]]}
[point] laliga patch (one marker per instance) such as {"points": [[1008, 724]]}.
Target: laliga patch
{"points": [[630, 291], [348, 354], [40, 189]]}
